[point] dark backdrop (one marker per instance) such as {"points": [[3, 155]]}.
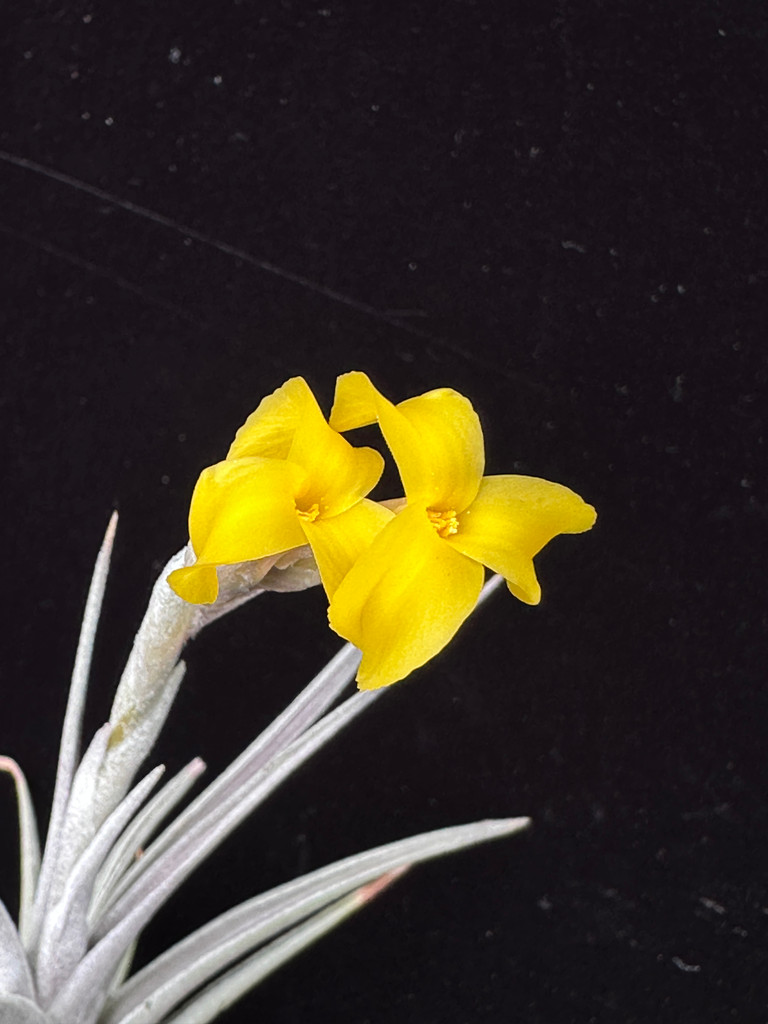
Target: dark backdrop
{"points": [[561, 213]]}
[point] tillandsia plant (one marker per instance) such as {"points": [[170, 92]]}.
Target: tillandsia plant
{"points": [[286, 509]]}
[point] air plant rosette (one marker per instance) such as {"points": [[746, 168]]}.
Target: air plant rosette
{"points": [[286, 509]]}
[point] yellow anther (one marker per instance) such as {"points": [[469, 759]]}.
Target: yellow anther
{"points": [[445, 522], [310, 514]]}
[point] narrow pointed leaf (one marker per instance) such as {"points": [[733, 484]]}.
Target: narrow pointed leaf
{"points": [[73, 717], [80, 996], [197, 842], [302, 713], [226, 990], [176, 973], [124, 967], [29, 844], [131, 843], [64, 930], [75, 830]]}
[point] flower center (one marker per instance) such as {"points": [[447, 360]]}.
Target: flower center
{"points": [[310, 514], [445, 523]]}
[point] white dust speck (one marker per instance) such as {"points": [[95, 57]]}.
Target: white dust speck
{"points": [[688, 968], [174, 55], [217, 79], [109, 121], [576, 246]]}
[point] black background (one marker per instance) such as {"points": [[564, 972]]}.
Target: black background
{"points": [[558, 209]]}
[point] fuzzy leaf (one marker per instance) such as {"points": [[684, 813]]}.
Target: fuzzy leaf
{"points": [[173, 976], [303, 712], [18, 1010], [134, 838], [80, 997], [29, 844], [74, 833], [64, 931], [15, 974], [224, 991], [134, 734], [71, 731]]}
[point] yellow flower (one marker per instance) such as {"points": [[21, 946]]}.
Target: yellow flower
{"points": [[288, 480], [410, 590]]}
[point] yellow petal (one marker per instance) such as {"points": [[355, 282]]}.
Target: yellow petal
{"points": [[404, 598], [197, 584], [337, 474], [289, 424], [269, 431], [355, 403], [338, 541], [436, 439], [244, 509], [511, 519]]}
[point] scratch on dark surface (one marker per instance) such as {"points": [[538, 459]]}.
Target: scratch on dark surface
{"points": [[215, 243], [93, 268], [393, 318]]}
